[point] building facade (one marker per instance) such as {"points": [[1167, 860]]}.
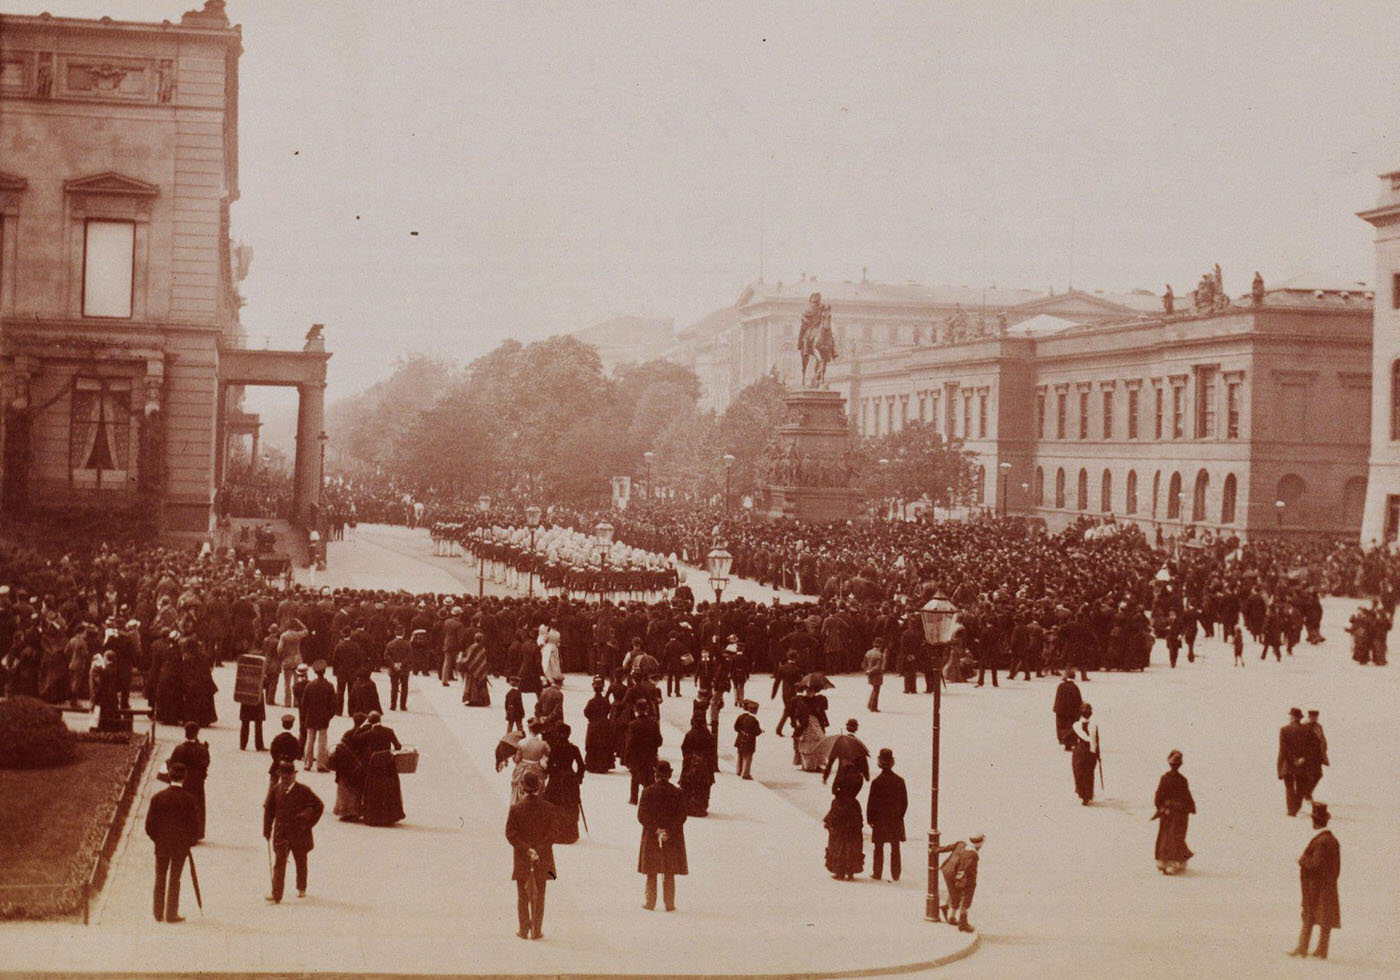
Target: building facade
{"points": [[1245, 419], [1382, 519], [735, 346]]}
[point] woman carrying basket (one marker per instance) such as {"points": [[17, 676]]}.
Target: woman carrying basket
{"points": [[383, 796]]}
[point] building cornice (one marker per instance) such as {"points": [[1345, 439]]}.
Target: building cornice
{"points": [[1381, 217], [10, 24]]}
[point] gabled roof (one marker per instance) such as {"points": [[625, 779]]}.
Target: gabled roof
{"points": [[1041, 325], [111, 182], [911, 294], [1077, 305]]}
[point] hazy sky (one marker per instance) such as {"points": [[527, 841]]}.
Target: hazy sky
{"points": [[563, 163]]}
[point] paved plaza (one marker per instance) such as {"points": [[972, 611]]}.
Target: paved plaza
{"points": [[1064, 890]]}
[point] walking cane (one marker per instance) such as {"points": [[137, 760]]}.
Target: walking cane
{"points": [[194, 880], [584, 816], [271, 874]]}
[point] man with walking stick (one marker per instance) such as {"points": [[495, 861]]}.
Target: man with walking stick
{"points": [[172, 822], [530, 831], [289, 813]]}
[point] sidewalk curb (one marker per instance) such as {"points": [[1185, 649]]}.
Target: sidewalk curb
{"points": [[877, 971]]}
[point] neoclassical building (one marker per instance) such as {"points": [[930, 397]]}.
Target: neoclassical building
{"points": [[1382, 518], [120, 342], [1248, 418]]}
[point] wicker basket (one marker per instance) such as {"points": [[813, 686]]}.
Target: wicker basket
{"points": [[406, 760]]}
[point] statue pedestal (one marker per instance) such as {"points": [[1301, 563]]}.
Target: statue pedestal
{"points": [[817, 438]]}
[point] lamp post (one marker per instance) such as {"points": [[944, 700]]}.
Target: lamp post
{"points": [[1005, 468], [649, 456], [602, 535], [885, 482], [532, 518], [728, 465], [718, 562], [483, 504], [948, 495], [1026, 492], [938, 615], [1279, 505]]}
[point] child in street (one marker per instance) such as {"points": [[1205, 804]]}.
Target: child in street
{"points": [[515, 708], [746, 741], [1237, 639]]}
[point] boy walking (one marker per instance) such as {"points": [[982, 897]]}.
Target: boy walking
{"points": [[746, 741]]}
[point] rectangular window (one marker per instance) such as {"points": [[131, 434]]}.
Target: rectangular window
{"points": [[923, 409], [1083, 415], [99, 434], [933, 409], [109, 248], [1159, 413], [1132, 413], [1108, 413], [889, 415], [1060, 411], [1205, 403], [982, 416], [1395, 290], [1040, 415], [967, 415], [1232, 410], [1178, 411]]}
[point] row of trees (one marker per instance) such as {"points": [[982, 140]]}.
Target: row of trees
{"points": [[545, 419]]}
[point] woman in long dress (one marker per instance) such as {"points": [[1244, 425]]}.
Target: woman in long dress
{"points": [[531, 755], [565, 768], [1174, 808], [383, 794], [845, 826], [599, 745], [812, 734], [475, 690], [1085, 755], [697, 766], [349, 764]]}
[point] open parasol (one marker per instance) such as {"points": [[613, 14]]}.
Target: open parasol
{"points": [[815, 681], [844, 746]]}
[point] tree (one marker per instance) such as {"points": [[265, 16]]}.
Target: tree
{"points": [[747, 428], [921, 463], [367, 427]]}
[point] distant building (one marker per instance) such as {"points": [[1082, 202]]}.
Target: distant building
{"points": [[735, 346], [1382, 518], [1237, 419], [629, 339], [119, 303]]}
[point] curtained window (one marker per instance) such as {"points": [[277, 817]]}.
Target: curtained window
{"points": [[100, 432]]}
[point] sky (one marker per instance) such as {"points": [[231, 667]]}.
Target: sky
{"points": [[563, 163]]}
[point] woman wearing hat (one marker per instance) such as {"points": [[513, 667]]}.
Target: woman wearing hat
{"points": [[1174, 808], [1085, 754], [565, 771], [599, 744]]}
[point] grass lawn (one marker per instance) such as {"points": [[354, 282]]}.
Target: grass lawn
{"points": [[51, 823]]}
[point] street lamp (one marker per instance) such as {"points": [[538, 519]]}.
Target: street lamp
{"points": [[649, 456], [603, 533], [1005, 468], [1279, 505], [728, 465], [885, 483], [939, 616], [718, 562], [532, 518]]}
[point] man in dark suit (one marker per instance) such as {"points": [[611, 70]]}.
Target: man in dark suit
{"points": [[289, 813], [285, 748], [884, 809], [172, 822], [661, 812], [193, 755], [319, 705], [1319, 868], [1295, 745], [530, 830]]}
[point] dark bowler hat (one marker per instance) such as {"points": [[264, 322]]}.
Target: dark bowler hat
{"points": [[1295, 713]]}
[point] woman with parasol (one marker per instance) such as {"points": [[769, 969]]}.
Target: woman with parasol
{"points": [[845, 826], [810, 736]]}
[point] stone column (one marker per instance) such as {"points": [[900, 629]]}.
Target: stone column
{"points": [[306, 479]]}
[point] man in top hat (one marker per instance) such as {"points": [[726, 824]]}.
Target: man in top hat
{"points": [[1318, 870], [172, 822], [1318, 756], [530, 829], [884, 809], [1296, 745]]}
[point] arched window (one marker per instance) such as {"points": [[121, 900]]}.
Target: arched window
{"points": [[1083, 496], [1060, 487], [1353, 501], [1198, 496], [1156, 490], [1291, 490], [1106, 492], [1174, 497], [1039, 487], [1395, 401], [1227, 501], [1130, 504]]}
